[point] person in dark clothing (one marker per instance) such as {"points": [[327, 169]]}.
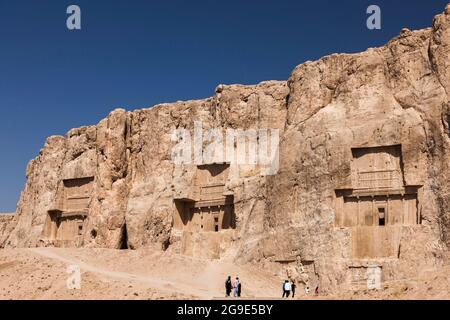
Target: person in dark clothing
{"points": [[293, 286], [228, 286], [239, 289]]}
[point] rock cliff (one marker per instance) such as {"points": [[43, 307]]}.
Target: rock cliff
{"points": [[362, 184]]}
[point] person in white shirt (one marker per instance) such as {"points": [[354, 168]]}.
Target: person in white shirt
{"points": [[286, 288], [236, 287]]}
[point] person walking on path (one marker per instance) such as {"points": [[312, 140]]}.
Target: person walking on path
{"points": [[228, 287], [293, 286], [236, 287], [239, 289]]}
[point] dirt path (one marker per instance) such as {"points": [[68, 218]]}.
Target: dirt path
{"points": [[153, 282]]}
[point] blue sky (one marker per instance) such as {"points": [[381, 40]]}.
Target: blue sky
{"points": [[134, 54]]}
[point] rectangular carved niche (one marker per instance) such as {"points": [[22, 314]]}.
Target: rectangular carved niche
{"points": [[378, 203], [210, 209], [377, 168], [365, 277], [66, 227], [377, 210], [207, 219], [65, 222], [77, 194]]}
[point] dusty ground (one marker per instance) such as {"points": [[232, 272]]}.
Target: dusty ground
{"points": [[111, 274]]}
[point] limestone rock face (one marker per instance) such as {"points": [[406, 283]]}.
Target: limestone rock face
{"points": [[397, 95], [128, 155], [363, 179], [6, 224]]}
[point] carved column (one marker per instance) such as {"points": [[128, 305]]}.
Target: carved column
{"points": [[403, 210], [387, 215], [359, 209]]}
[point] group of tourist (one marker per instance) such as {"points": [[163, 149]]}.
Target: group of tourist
{"points": [[288, 288], [235, 286]]}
